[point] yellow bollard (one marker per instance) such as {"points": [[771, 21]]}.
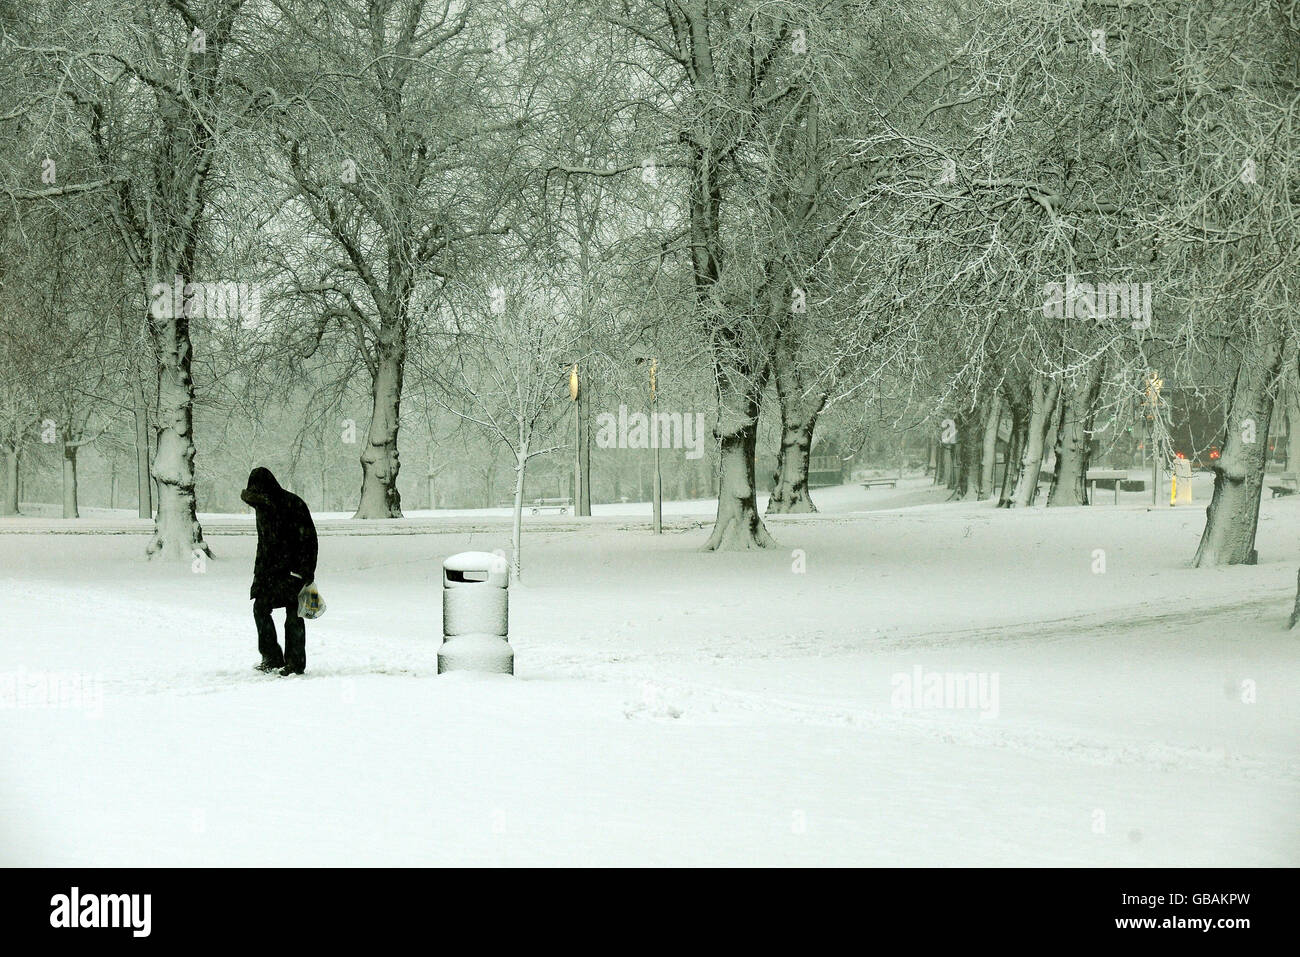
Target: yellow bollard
{"points": [[1183, 472]]}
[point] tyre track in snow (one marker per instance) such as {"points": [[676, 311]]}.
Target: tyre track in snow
{"points": [[826, 644], [673, 699], [1045, 743], [683, 699]]}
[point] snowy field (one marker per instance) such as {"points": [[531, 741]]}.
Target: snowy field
{"points": [[670, 706]]}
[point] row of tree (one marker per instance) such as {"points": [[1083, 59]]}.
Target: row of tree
{"points": [[1006, 214]]}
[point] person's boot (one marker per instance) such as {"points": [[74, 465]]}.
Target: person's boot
{"points": [[266, 665], [295, 645]]}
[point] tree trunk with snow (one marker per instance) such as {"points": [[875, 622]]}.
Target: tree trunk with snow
{"points": [[1074, 439], [971, 450], [177, 533], [517, 523], [1010, 463], [1232, 518], [790, 492], [1043, 393], [1018, 408], [989, 449], [160, 217], [799, 414], [379, 457], [738, 525]]}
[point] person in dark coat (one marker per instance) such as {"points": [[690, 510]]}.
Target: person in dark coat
{"points": [[286, 562]]}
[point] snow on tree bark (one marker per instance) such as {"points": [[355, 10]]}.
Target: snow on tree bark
{"points": [[1017, 399], [177, 533], [1043, 394], [970, 450], [517, 515], [989, 450], [379, 457], [790, 492], [1232, 518], [799, 414], [1074, 439], [738, 525]]}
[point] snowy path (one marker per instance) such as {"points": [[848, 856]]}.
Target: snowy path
{"points": [[672, 706]]}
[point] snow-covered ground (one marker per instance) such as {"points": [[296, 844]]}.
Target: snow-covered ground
{"points": [[670, 706]]}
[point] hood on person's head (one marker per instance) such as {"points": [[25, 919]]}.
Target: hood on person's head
{"points": [[262, 488]]}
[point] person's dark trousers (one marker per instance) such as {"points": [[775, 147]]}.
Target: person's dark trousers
{"points": [[294, 656], [267, 643], [295, 639]]}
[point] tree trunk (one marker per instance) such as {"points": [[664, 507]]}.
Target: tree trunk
{"points": [[738, 525], [798, 420], [582, 506], [177, 533], [943, 464], [9, 504], [516, 528], [1014, 450], [1293, 423], [143, 485], [70, 479], [989, 451], [167, 239], [1042, 404], [379, 459], [1074, 439], [971, 448], [1232, 517], [790, 490]]}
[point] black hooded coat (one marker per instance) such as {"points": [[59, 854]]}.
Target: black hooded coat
{"points": [[286, 539]]}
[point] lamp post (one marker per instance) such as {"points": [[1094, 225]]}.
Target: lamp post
{"points": [[657, 503], [577, 438], [654, 440], [1154, 385]]}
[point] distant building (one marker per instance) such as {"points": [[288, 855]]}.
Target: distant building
{"points": [[826, 465]]}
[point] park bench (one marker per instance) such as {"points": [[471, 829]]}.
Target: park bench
{"points": [[561, 505], [1115, 476], [891, 482], [1285, 485]]}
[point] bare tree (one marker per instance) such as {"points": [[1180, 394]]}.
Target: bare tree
{"points": [[392, 144], [514, 350]]}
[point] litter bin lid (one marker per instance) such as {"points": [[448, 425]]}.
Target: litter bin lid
{"points": [[485, 566]]}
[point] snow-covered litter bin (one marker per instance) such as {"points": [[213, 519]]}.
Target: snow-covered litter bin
{"points": [[475, 614]]}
